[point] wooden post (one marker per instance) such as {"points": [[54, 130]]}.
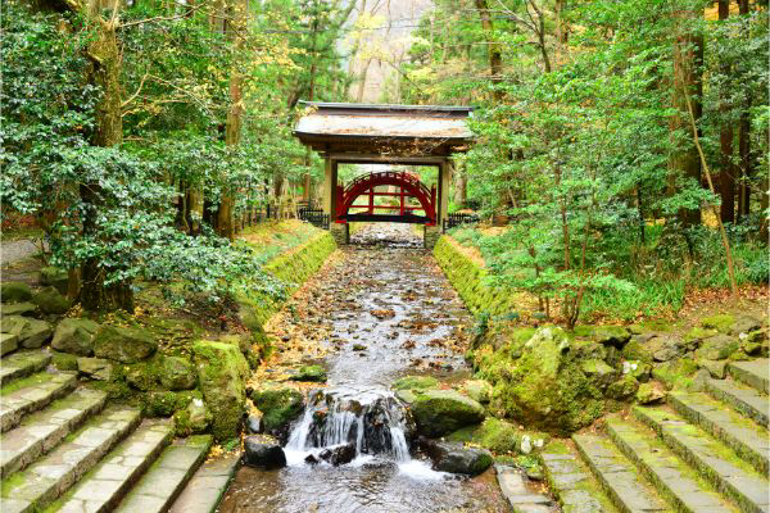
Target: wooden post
{"points": [[443, 192]]}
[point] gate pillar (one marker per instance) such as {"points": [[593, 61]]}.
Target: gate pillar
{"points": [[329, 199]]}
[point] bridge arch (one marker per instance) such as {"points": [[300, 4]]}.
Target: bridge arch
{"points": [[409, 185]]}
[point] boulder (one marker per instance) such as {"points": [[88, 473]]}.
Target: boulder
{"points": [[477, 389], [312, 373], [194, 419], [675, 371], [696, 335], [718, 347], [75, 336], [415, 383], [545, 387], [95, 368], [254, 424], [279, 406], [745, 324], [55, 277], [439, 412], [615, 336], [649, 393], [263, 453], [406, 396], [623, 389], [15, 292], [64, 361], [177, 374], [8, 343], [668, 347], [31, 333], [716, 368], [51, 301], [124, 344], [723, 323], [638, 369], [599, 372], [455, 458], [222, 372], [339, 455], [26, 309], [144, 375]]}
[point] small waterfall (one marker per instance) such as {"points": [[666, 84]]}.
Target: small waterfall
{"points": [[374, 421]]}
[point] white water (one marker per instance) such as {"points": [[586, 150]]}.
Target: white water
{"points": [[374, 420]]}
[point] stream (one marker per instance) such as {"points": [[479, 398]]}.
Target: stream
{"points": [[380, 310]]}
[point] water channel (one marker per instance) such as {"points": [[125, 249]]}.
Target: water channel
{"points": [[383, 309]]}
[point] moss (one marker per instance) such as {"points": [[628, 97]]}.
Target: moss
{"points": [[440, 412], [164, 403], [721, 322], [697, 334], [279, 405], [64, 361], [311, 373], [222, 372], [676, 373], [415, 383]]}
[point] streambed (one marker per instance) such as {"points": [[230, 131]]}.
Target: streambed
{"points": [[382, 310]]}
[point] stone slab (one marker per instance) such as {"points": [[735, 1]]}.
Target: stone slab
{"points": [[618, 476], [19, 365], [744, 399], [744, 436], [755, 373], [48, 478], [571, 482], [727, 472], [102, 488], [673, 477], [205, 490], [157, 490], [34, 394], [40, 432], [8, 343]]}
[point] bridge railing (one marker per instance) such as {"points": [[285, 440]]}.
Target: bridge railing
{"points": [[314, 216], [454, 220]]}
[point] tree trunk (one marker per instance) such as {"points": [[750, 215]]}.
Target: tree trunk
{"points": [[727, 173], [105, 73], [225, 219], [688, 56], [744, 145], [495, 54]]}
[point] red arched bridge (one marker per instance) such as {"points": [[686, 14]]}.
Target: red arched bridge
{"points": [[357, 201]]}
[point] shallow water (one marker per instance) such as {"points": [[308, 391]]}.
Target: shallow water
{"points": [[388, 296]]}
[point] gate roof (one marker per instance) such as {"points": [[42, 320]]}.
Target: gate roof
{"points": [[385, 130]]}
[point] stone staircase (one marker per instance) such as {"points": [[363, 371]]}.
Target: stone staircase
{"points": [[63, 447], [702, 452]]}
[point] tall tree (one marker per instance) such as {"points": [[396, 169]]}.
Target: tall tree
{"points": [[727, 171]]}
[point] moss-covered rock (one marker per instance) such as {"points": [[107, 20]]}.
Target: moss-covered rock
{"points": [[439, 412], [639, 370], [718, 347], [497, 435], [696, 335], [15, 292], [649, 393], [51, 301], [623, 389], [279, 405], [95, 368], [415, 383], [611, 335], [25, 308], [477, 389], [31, 333], [177, 374], [164, 403], [64, 361], [599, 372], [124, 344], [144, 375], [545, 388], [311, 373], [55, 277], [720, 322], [222, 371], [677, 373], [194, 419], [75, 336]]}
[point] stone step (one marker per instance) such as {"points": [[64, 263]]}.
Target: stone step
{"points": [[723, 469], [514, 486], [43, 482], [31, 394], [20, 365], [618, 476], [672, 477], [571, 482], [205, 490], [158, 488], [104, 486], [41, 431], [741, 397], [755, 373], [750, 441]]}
